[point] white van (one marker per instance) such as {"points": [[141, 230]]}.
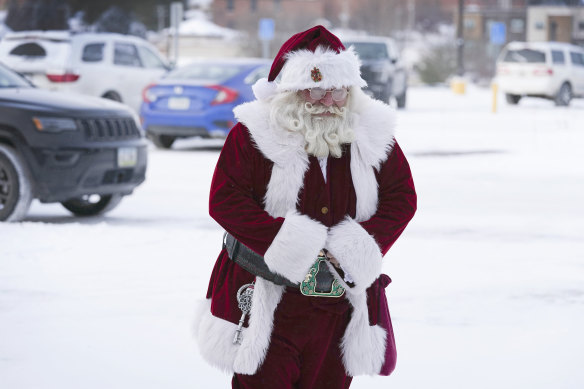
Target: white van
{"points": [[550, 70], [108, 65]]}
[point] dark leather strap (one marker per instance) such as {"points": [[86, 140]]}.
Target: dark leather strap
{"points": [[252, 261]]}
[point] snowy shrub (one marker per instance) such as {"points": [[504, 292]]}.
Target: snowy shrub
{"points": [[437, 64]]}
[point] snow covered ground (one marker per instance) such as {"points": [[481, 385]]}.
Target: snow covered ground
{"points": [[488, 279]]}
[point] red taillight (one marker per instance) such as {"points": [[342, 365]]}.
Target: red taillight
{"points": [[63, 77], [543, 72], [147, 96], [224, 95]]}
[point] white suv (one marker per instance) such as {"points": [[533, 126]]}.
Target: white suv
{"points": [[550, 70], [107, 65]]}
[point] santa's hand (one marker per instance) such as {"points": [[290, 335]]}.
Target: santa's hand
{"points": [[332, 260]]}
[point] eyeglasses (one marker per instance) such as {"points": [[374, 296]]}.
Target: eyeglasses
{"points": [[337, 94]]}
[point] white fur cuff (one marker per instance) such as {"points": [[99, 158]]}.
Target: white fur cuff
{"points": [[296, 246], [357, 252]]}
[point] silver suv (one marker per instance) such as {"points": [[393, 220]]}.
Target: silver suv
{"points": [[551, 70], [114, 66]]}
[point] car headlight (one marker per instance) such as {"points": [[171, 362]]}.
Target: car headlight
{"points": [[138, 123], [54, 124]]}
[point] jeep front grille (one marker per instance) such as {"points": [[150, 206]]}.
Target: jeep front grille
{"points": [[109, 129]]}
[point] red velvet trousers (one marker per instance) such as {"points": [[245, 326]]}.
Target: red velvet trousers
{"points": [[304, 351]]}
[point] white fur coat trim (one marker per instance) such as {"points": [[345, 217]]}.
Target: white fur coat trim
{"points": [[363, 346], [335, 70], [296, 246], [357, 252], [215, 335]]}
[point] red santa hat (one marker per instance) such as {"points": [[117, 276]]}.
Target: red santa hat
{"points": [[309, 59]]}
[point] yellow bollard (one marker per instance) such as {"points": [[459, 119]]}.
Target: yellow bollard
{"points": [[495, 90], [458, 86]]}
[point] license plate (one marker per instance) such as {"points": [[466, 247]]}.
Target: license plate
{"points": [[127, 156], [179, 103]]}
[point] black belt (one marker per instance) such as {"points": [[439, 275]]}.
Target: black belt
{"points": [[255, 264], [252, 261]]}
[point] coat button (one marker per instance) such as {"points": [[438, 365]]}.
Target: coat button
{"points": [[324, 210]]}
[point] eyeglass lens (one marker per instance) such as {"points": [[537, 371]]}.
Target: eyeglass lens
{"points": [[337, 94]]}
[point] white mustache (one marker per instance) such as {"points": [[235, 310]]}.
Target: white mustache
{"points": [[316, 109]]}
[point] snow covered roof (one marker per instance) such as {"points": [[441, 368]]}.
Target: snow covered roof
{"points": [[197, 24]]}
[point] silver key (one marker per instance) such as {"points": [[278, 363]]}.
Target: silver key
{"points": [[244, 295]]}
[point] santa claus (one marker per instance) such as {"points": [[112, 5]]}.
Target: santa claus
{"points": [[313, 190]]}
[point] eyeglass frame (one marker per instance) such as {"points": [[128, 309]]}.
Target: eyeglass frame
{"points": [[332, 91]]}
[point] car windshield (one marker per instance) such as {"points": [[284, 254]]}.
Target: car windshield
{"points": [[369, 50], [524, 56], [205, 71], [9, 79]]}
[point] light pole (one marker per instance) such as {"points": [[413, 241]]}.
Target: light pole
{"points": [[460, 40]]}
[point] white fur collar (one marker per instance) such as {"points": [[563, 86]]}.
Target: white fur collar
{"points": [[374, 129]]}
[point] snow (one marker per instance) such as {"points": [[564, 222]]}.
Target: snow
{"points": [[488, 279], [198, 24]]}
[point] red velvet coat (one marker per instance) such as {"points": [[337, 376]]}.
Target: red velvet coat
{"points": [[272, 197]]}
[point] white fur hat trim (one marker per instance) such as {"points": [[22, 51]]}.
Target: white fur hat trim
{"points": [[324, 68], [264, 89]]}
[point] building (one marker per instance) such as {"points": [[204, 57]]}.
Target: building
{"points": [[555, 23]]}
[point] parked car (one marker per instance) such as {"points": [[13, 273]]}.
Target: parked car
{"points": [[551, 70], [198, 99], [381, 67], [84, 153], [113, 66]]}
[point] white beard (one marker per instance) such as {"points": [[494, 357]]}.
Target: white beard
{"points": [[324, 135]]}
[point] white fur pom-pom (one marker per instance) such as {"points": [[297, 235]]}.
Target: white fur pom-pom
{"points": [[264, 89]]}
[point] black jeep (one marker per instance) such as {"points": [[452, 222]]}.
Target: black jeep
{"points": [[84, 152]]}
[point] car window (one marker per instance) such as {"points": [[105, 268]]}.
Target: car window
{"points": [[558, 57], [577, 58], [524, 56], [125, 54], [205, 71], [150, 59], [254, 76], [93, 52], [8, 79], [370, 50], [30, 49]]}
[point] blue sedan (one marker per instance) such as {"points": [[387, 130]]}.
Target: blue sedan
{"points": [[198, 99]]}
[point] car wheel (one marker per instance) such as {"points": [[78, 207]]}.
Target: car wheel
{"points": [[91, 205], [162, 141], [512, 99], [564, 95], [113, 96], [401, 100], [15, 186]]}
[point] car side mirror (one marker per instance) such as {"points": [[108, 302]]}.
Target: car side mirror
{"points": [[171, 65]]}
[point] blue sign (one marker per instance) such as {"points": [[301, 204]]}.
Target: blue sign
{"points": [[266, 29], [498, 33]]}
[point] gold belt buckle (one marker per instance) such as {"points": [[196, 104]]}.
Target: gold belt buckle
{"points": [[308, 287]]}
